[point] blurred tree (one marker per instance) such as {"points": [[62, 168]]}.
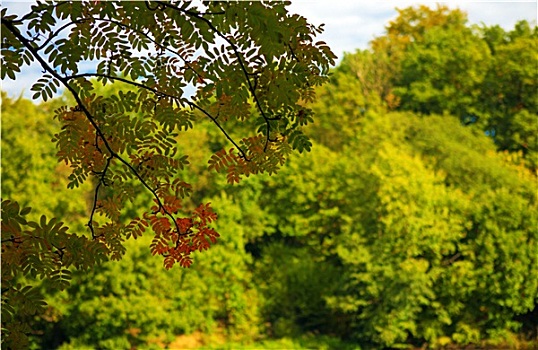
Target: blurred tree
{"points": [[134, 303], [23, 124], [444, 73], [513, 111], [439, 64], [358, 85], [32, 176], [412, 216], [410, 209], [410, 27]]}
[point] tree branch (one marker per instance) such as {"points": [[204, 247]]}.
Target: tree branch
{"points": [[55, 34], [239, 58], [65, 81], [95, 198], [161, 46], [293, 53], [163, 94], [29, 14], [452, 259]]}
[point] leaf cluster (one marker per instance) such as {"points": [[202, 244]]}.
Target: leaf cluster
{"points": [[37, 250], [153, 54]]}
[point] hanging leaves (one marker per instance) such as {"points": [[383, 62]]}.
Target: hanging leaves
{"points": [[131, 136], [250, 82], [41, 249]]}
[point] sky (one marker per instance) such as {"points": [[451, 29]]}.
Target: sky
{"points": [[349, 24], [352, 24]]}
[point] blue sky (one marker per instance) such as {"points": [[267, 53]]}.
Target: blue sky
{"points": [[349, 24]]}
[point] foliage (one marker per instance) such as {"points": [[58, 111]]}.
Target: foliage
{"points": [[439, 64], [407, 30], [365, 75], [32, 249], [23, 124], [438, 76], [416, 229], [303, 342], [413, 211], [513, 112], [130, 136], [158, 51], [135, 303], [446, 205], [33, 245]]}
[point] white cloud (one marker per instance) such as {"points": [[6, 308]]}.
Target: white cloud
{"points": [[506, 13]]}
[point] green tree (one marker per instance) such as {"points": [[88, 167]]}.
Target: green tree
{"points": [[32, 176], [134, 303], [23, 124], [513, 112], [444, 73], [410, 28], [412, 213], [412, 218], [358, 85], [439, 64], [250, 63]]}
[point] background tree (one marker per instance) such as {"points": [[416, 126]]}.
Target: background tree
{"points": [[410, 27], [25, 123], [439, 64], [513, 113]]}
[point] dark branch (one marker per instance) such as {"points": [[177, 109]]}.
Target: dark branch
{"points": [[161, 46], [163, 94], [17, 240], [161, 7], [55, 34], [452, 259], [214, 120], [293, 53], [96, 195], [212, 13]]}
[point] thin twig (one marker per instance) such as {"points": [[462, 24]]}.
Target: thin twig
{"points": [[161, 46], [55, 34], [452, 259], [96, 195], [293, 53], [29, 14]]}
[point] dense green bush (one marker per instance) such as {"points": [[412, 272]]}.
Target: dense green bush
{"points": [[433, 237]]}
